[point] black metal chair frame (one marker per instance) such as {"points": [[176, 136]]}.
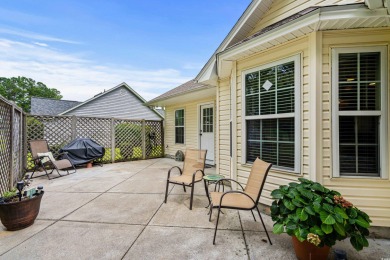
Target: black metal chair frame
{"points": [[239, 208]]}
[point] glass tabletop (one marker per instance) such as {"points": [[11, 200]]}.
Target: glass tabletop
{"points": [[213, 177]]}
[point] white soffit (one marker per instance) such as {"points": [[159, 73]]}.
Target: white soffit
{"points": [[186, 97], [326, 18]]}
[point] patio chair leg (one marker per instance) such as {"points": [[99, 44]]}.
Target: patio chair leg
{"points": [[192, 195], [166, 192], [216, 225], [184, 188], [269, 239], [210, 212], [253, 215]]}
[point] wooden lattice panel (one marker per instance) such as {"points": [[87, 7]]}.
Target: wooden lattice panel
{"points": [[57, 131], [5, 145], [154, 139], [98, 129], [128, 140]]}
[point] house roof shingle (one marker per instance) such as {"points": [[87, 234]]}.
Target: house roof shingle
{"points": [[189, 86], [49, 106]]}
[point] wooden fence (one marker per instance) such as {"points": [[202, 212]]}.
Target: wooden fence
{"points": [[123, 139]]}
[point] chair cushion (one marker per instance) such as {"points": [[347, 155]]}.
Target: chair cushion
{"points": [[46, 159], [235, 200], [62, 164], [186, 179]]}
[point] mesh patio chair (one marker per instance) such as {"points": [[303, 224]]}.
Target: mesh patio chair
{"points": [[42, 158], [192, 172], [247, 199]]}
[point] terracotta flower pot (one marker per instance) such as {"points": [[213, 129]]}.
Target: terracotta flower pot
{"points": [[307, 251], [20, 214], [89, 165]]}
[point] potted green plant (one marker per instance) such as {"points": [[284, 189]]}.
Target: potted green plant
{"points": [[316, 217], [19, 207]]}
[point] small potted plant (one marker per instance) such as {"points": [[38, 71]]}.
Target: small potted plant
{"points": [[316, 217], [19, 207]]}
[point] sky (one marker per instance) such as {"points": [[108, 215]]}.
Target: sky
{"points": [[85, 47]]}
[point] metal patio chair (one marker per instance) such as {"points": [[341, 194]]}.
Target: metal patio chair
{"points": [[247, 199], [192, 172], [42, 158]]}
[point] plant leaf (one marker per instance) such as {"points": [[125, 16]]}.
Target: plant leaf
{"points": [[328, 207], [326, 228], [297, 203], [327, 218], [291, 225], [317, 207], [338, 218], [352, 213], [302, 214], [287, 203], [310, 210], [355, 243], [362, 222], [318, 187], [316, 230], [341, 212], [339, 229], [278, 229], [277, 194], [305, 192]]}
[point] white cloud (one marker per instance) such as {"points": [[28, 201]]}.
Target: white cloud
{"points": [[34, 36], [41, 44], [77, 77]]}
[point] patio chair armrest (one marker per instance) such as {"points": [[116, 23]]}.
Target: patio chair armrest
{"points": [[235, 191], [194, 174], [40, 157], [169, 172], [228, 179]]}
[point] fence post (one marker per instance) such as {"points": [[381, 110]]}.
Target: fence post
{"points": [[112, 140], [74, 124], [162, 139], [12, 156], [143, 140], [25, 144]]}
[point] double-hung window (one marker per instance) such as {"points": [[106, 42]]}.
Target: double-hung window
{"points": [[271, 96], [179, 126], [359, 111]]}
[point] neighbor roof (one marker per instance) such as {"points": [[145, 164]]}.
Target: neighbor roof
{"points": [[189, 86], [49, 106]]}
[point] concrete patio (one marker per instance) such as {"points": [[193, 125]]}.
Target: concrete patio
{"points": [[117, 212]]}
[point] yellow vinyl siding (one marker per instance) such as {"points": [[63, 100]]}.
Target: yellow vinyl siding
{"points": [[224, 127], [371, 195], [191, 134], [281, 9], [276, 178]]}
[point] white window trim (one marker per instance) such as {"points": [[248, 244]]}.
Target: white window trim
{"points": [[297, 114], [383, 113], [184, 126]]}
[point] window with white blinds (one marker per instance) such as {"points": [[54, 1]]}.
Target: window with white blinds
{"points": [[359, 105], [271, 105], [179, 126]]}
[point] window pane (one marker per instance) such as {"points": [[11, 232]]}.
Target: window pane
{"points": [[253, 151], [286, 75], [267, 77], [348, 67], [179, 135], [286, 155], [370, 96], [252, 105], [370, 66], [267, 103], [252, 83], [253, 130], [347, 130], [286, 101], [347, 159], [270, 129], [269, 152], [348, 96], [368, 129], [179, 117], [368, 160], [286, 129]]}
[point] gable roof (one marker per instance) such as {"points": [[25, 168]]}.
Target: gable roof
{"points": [[189, 86], [123, 84], [49, 106]]}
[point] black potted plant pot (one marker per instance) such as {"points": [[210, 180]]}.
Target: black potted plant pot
{"points": [[20, 214]]}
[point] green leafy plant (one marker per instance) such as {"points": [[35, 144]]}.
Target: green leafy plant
{"points": [[8, 195], [309, 211]]}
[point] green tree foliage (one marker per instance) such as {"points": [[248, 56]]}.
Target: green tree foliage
{"points": [[21, 89]]}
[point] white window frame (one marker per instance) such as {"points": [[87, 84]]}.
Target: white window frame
{"points": [[184, 125], [383, 154], [297, 112]]}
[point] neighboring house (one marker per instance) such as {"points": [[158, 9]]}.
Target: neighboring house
{"points": [[50, 107], [301, 85], [119, 102]]}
